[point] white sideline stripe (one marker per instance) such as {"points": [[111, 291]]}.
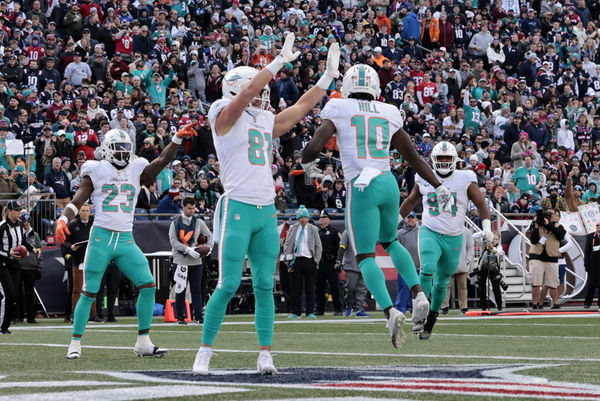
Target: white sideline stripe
{"points": [[71, 383], [375, 334], [365, 354], [442, 320], [342, 399], [124, 394]]}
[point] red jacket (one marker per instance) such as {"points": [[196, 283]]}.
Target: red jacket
{"points": [[446, 36]]}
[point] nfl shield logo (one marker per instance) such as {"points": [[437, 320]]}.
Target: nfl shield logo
{"points": [[237, 216]]}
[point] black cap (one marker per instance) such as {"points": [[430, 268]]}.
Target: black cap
{"points": [[324, 214], [14, 205]]}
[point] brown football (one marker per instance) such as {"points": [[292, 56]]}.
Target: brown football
{"points": [[203, 250], [202, 239], [21, 250]]}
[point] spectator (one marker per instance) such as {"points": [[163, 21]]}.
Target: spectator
{"points": [[170, 204], [527, 178], [303, 249], [460, 277], [282, 200], [57, 179], [326, 273], [521, 149], [408, 237], [554, 200]]}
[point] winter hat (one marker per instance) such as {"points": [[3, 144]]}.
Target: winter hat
{"points": [[301, 212], [173, 191]]}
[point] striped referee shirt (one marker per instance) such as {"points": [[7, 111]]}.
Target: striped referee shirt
{"points": [[11, 235]]}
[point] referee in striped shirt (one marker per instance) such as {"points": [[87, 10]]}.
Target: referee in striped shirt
{"points": [[11, 235]]}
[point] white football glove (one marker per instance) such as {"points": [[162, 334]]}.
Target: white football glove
{"points": [[191, 252], [488, 235], [286, 55], [444, 198], [332, 71]]}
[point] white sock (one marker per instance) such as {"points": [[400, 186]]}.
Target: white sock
{"points": [[264, 352], [143, 340], [74, 341]]}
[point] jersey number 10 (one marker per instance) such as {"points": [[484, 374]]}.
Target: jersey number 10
{"points": [[373, 136]]}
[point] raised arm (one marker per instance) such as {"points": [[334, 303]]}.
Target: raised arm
{"points": [[322, 135], [286, 120], [166, 156], [229, 115], [409, 203]]}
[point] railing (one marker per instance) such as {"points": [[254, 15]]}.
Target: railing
{"points": [[40, 206]]}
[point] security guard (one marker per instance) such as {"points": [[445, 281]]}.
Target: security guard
{"points": [[330, 238]]}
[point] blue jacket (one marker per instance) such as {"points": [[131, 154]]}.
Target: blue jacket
{"points": [[166, 205], [537, 133], [411, 28], [59, 182]]}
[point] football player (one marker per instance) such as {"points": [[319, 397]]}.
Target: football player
{"points": [[113, 183], [364, 129], [440, 238], [245, 217]]}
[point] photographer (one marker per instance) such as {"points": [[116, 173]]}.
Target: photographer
{"points": [[489, 266], [545, 235]]}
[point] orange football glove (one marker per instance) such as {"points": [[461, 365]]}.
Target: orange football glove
{"points": [[187, 132], [61, 231]]}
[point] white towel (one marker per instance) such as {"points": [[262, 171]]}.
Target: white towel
{"points": [[365, 177], [217, 219], [180, 278]]}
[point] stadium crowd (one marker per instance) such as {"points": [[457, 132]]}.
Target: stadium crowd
{"points": [[515, 85]]}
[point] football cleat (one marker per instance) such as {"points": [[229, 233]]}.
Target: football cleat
{"points": [[428, 328], [395, 325], [149, 349], [202, 361], [74, 351], [362, 313], [420, 311], [264, 363]]}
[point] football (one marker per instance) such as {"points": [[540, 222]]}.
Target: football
{"points": [[21, 250], [203, 250]]}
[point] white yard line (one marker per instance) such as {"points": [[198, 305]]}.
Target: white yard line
{"points": [[361, 354]]}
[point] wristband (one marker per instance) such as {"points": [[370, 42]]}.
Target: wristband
{"points": [[274, 66], [72, 208], [486, 225], [64, 219], [177, 140]]}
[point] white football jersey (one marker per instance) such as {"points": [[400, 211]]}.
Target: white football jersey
{"points": [[364, 130], [245, 155], [115, 192], [433, 217]]}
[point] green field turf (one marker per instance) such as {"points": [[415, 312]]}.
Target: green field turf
{"points": [[33, 366]]}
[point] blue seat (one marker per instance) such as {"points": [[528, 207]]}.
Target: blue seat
{"points": [[290, 211], [141, 214], [293, 205], [314, 212]]}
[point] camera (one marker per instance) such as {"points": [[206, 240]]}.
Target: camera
{"points": [[540, 215], [496, 276]]}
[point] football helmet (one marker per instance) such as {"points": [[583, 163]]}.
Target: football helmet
{"points": [[234, 81], [361, 78], [444, 148], [117, 147]]}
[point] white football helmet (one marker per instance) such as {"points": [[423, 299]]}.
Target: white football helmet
{"points": [[444, 148], [361, 78], [235, 80], [116, 147]]}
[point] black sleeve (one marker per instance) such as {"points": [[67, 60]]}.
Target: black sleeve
{"points": [[535, 236], [559, 231], [24, 241], [4, 251]]}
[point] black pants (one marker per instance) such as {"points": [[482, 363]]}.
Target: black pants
{"points": [[328, 275], [305, 270], [69, 302], [589, 297], [110, 280], [24, 281], [482, 284], [284, 282], [194, 277], [8, 296]]}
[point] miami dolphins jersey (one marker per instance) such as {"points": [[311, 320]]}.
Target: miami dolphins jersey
{"points": [[245, 155], [433, 217], [364, 130], [115, 192]]}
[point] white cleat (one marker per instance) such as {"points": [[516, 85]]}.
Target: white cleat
{"points": [[202, 361], [74, 351], [420, 311], [264, 363], [395, 325], [149, 349]]}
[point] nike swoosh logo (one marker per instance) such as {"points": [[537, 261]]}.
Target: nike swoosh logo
{"points": [[273, 215]]}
